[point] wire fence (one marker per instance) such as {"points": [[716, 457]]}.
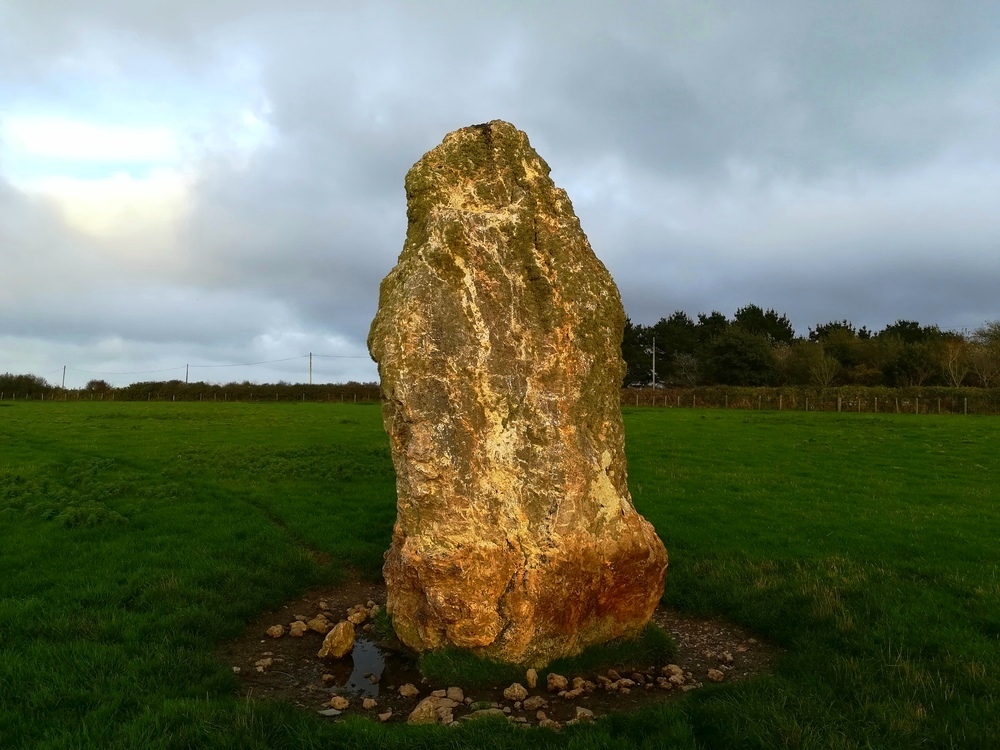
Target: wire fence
{"points": [[857, 399]]}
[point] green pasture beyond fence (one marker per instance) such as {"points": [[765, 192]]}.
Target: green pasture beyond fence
{"points": [[843, 399]]}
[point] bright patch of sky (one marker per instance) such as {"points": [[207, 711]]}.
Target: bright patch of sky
{"points": [[55, 140], [119, 204], [117, 155]]}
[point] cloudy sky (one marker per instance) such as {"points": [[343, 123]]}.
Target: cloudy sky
{"points": [[213, 182]]}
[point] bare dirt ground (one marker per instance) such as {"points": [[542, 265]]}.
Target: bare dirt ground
{"points": [[288, 669]]}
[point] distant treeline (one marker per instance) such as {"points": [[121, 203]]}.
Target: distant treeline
{"points": [[759, 347], [34, 387], [756, 347]]}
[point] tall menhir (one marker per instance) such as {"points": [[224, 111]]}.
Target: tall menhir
{"points": [[498, 340]]}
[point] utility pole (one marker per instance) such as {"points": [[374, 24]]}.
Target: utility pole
{"points": [[654, 361], [186, 370], [64, 378], [310, 368]]}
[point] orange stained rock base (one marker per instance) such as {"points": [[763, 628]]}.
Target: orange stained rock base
{"points": [[482, 599]]}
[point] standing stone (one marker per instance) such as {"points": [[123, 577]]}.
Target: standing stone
{"points": [[498, 340]]}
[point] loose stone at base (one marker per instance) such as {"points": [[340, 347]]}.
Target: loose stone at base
{"points": [[338, 641], [533, 703], [515, 692], [424, 713], [409, 690], [319, 625], [556, 682]]}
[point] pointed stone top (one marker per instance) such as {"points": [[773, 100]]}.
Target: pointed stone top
{"points": [[478, 168]]}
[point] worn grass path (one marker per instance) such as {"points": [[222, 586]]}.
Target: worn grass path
{"points": [[134, 537]]}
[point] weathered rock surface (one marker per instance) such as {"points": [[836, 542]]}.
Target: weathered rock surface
{"points": [[498, 342]]}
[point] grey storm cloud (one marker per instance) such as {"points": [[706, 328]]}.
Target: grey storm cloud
{"points": [[830, 160]]}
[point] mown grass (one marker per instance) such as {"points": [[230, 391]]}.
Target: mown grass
{"points": [[136, 537]]}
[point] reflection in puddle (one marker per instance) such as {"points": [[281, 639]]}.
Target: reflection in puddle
{"points": [[368, 661]]}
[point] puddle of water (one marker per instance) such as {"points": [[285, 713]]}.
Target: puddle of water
{"points": [[368, 660]]}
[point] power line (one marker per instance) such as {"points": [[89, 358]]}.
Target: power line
{"points": [[248, 364], [136, 372]]}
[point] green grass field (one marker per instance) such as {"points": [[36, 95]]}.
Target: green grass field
{"points": [[135, 537]]}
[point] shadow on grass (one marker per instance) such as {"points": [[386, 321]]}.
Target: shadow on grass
{"points": [[453, 666]]}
